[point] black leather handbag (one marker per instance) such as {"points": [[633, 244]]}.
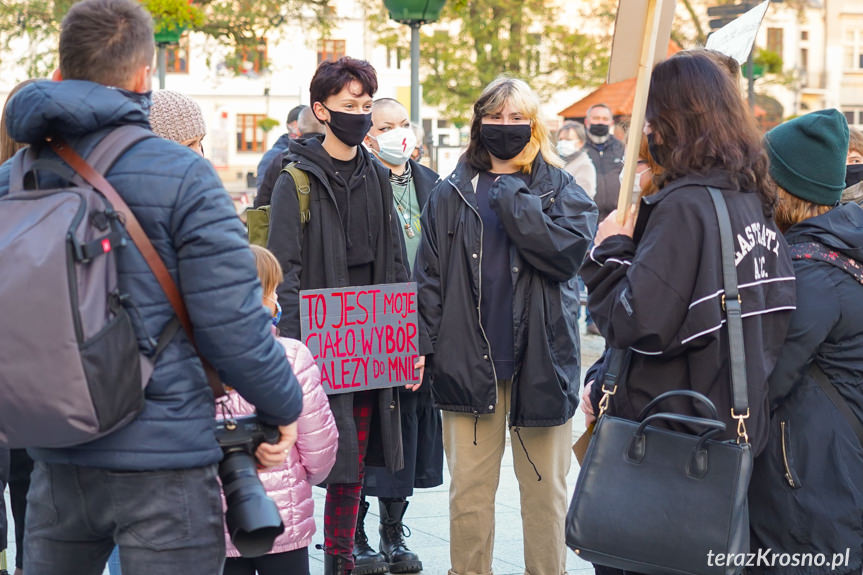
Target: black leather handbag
{"points": [[656, 501]]}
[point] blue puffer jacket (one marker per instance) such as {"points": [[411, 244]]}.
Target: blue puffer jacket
{"points": [[191, 221]]}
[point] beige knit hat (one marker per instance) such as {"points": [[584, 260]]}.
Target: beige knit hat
{"points": [[176, 117]]}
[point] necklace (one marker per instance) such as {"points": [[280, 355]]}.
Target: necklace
{"points": [[403, 202]]}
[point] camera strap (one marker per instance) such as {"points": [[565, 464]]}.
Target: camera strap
{"points": [[138, 236]]}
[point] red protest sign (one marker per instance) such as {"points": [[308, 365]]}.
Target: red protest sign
{"points": [[362, 337]]}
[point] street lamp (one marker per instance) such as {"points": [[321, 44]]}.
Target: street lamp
{"points": [[415, 13]]}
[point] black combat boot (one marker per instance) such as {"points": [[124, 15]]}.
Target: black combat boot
{"points": [[400, 558], [336, 565], [366, 560]]}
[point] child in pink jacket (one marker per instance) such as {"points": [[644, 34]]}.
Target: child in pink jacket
{"points": [[308, 463]]}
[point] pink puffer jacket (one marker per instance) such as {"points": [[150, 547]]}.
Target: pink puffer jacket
{"points": [[308, 463]]}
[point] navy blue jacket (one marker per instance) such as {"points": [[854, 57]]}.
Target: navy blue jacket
{"points": [[191, 221], [806, 493], [262, 183]]}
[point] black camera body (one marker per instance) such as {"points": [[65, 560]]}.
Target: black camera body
{"points": [[244, 434], [252, 517]]}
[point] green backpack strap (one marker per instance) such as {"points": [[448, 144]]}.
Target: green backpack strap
{"points": [[301, 181], [258, 219]]}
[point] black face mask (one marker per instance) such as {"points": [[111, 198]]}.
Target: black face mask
{"points": [[504, 142], [598, 130], [657, 151], [351, 129], [853, 174]]}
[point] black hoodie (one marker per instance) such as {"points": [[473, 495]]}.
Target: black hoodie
{"points": [[317, 256]]}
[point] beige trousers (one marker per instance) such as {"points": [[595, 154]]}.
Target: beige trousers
{"points": [[475, 472]]}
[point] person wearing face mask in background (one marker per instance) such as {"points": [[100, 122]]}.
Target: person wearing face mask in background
{"points": [[353, 237], [392, 140], [419, 150], [606, 152], [854, 168], [570, 146], [307, 126], [503, 237]]}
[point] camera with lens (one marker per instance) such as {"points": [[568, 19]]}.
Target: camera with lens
{"points": [[252, 517]]}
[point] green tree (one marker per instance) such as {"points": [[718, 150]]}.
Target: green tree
{"points": [[477, 40], [35, 24]]}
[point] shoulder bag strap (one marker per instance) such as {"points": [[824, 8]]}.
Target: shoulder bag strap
{"points": [[301, 181], [733, 316], [139, 237], [838, 401]]}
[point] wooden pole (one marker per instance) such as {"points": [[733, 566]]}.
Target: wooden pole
{"points": [[639, 105]]}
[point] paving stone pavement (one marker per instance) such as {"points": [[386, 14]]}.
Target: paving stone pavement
{"points": [[428, 513]]}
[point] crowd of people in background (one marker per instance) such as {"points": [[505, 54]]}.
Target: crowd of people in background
{"points": [[505, 251]]}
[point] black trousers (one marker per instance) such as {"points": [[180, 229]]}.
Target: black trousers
{"points": [[21, 466], [294, 562]]}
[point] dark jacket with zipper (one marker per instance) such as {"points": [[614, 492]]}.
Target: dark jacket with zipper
{"points": [[607, 158], [315, 257], [659, 295], [806, 494], [550, 223], [269, 156]]}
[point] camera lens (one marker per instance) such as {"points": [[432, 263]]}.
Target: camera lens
{"points": [[252, 517]]}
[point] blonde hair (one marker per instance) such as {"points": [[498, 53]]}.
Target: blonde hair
{"points": [[269, 270], [791, 210], [494, 97], [855, 140]]}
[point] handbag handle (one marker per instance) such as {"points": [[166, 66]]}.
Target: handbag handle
{"points": [[679, 393], [698, 463], [712, 425], [731, 303]]}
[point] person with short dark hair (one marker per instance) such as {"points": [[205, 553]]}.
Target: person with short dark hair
{"points": [[279, 147], [150, 487], [353, 237], [309, 127], [606, 153]]}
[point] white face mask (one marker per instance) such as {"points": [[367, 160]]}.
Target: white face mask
{"points": [[566, 148], [396, 145], [636, 185]]}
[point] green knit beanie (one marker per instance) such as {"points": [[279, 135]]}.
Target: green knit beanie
{"points": [[807, 156]]}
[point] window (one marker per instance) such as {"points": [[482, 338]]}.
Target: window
{"points": [[251, 58], [804, 35], [854, 116], [177, 56], [331, 50], [852, 43], [774, 40], [250, 137], [804, 59]]}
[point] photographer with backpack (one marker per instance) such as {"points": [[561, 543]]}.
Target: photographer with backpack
{"points": [[115, 465]]}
